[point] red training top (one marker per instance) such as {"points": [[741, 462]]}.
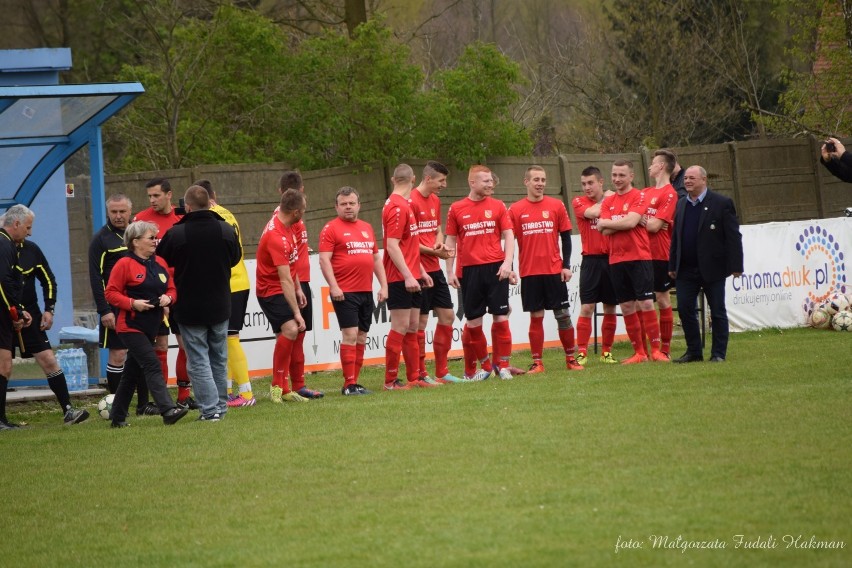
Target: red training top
{"points": [[593, 241], [537, 225], [427, 212], [352, 244], [478, 226], [398, 223], [632, 244], [662, 203], [277, 247]]}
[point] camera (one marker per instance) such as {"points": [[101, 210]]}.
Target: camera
{"points": [[830, 146], [848, 211], [155, 301], [181, 208]]}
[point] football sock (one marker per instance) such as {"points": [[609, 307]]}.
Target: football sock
{"points": [[238, 366], [441, 344], [566, 337], [281, 362], [666, 328], [652, 328], [4, 384], [634, 332], [182, 376], [359, 358], [480, 347], [163, 357], [584, 332], [469, 352], [608, 331], [536, 337], [411, 354], [347, 363], [421, 345], [56, 382], [393, 349], [501, 340], [113, 377], [297, 362], [644, 332]]}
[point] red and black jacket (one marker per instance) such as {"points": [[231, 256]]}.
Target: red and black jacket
{"points": [[134, 278]]}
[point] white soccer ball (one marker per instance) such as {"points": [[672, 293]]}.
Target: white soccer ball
{"points": [[820, 318], [837, 303], [842, 321], [105, 405]]}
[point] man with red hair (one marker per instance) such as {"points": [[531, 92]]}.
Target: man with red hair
{"points": [[478, 224]]}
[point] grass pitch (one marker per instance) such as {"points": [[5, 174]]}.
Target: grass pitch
{"points": [[555, 469]]}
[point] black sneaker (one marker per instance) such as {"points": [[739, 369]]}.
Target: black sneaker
{"points": [[4, 425], [121, 424], [149, 409], [75, 416], [189, 403], [172, 415], [354, 390], [215, 417]]}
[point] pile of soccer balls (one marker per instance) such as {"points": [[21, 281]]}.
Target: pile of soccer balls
{"points": [[836, 313]]}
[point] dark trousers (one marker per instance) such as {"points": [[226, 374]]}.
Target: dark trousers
{"points": [[142, 365], [689, 284]]}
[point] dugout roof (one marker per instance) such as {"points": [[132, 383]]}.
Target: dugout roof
{"points": [[42, 126]]}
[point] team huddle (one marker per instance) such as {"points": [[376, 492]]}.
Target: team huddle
{"points": [[630, 260]]}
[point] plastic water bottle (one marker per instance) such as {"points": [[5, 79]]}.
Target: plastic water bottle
{"points": [[84, 370], [62, 360]]}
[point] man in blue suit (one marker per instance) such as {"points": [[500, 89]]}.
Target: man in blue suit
{"points": [[706, 248]]}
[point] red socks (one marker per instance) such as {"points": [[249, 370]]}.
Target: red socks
{"points": [[566, 337], [281, 362], [441, 344], [359, 359], [634, 332], [469, 352], [537, 337], [666, 327], [411, 354], [652, 328], [501, 343], [347, 363], [480, 348], [584, 332], [421, 345], [297, 362], [607, 331], [163, 357], [393, 349]]}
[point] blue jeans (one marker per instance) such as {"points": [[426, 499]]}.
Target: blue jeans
{"points": [[689, 284], [207, 364]]}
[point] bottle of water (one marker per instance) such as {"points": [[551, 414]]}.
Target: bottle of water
{"points": [[62, 360], [84, 370]]}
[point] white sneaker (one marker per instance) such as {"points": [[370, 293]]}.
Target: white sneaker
{"points": [[506, 374], [480, 375]]}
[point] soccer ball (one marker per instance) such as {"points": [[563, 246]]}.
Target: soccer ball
{"points": [[820, 318], [842, 321], [837, 303], [105, 405]]}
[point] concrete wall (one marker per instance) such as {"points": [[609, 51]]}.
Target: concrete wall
{"points": [[774, 180]]}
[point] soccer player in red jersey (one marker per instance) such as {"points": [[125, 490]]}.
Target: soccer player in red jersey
{"points": [[541, 226], [426, 206], [630, 261], [348, 259], [659, 222], [276, 285], [595, 281], [163, 214], [402, 267], [479, 223]]}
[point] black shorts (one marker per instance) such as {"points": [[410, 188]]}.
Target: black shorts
{"points": [[438, 296], [109, 338], [544, 292], [308, 311], [277, 311], [483, 291], [356, 309], [401, 299], [8, 337], [239, 303], [662, 280], [35, 340], [633, 280], [595, 280]]}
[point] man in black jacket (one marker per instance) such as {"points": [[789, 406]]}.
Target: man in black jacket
{"points": [[706, 248], [202, 247], [837, 160]]}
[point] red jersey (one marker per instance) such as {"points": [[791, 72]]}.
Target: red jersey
{"points": [[478, 226], [627, 245], [277, 247], [352, 244], [594, 242], [164, 222], [662, 203], [303, 260], [427, 212], [398, 222], [537, 225]]}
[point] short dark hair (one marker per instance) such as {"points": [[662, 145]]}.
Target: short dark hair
{"points": [[208, 187], [162, 182], [669, 157], [592, 171], [432, 167], [197, 197], [290, 180], [622, 162], [347, 190], [292, 200]]}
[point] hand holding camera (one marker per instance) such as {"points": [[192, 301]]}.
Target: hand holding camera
{"points": [[832, 149]]}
